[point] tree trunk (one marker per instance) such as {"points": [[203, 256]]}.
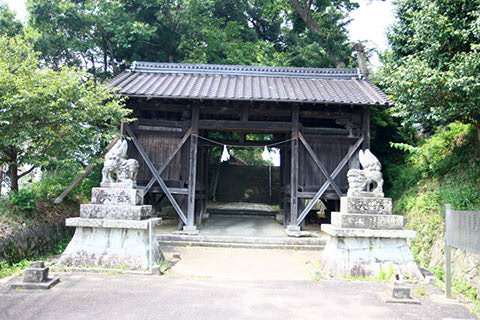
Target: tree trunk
{"points": [[304, 12], [478, 133], [13, 175]]}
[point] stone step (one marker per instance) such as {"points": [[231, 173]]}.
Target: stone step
{"points": [[174, 240], [175, 244], [241, 212]]}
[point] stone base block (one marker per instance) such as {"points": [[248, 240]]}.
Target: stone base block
{"points": [[367, 221], [113, 224], [366, 205], [367, 233], [35, 274], [47, 284], [368, 257], [126, 184], [111, 248], [362, 194], [190, 230], [127, 196], [117, 211]]}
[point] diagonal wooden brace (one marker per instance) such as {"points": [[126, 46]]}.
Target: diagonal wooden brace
{"points": [[155, 174], [319, 164], [170, 158], [334, 174]]}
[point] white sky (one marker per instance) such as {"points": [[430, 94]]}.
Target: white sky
{"points": [[19, 7], [370, 22]]}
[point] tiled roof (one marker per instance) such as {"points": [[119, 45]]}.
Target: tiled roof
{"points": [[251, 83]]}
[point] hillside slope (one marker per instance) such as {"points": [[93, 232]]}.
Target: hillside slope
{"points": [[444, 168]]}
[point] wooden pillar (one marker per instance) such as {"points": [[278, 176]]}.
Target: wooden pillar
{"points": [[192, 173], [366, 128], [294, 170]]}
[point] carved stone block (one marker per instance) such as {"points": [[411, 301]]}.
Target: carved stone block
{"points": [[117, 196], [367, 221], [366, 205], [119, 211], [35, 274]]}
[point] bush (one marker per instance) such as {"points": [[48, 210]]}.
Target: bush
{"points": [[450, 147], [24, 199]]}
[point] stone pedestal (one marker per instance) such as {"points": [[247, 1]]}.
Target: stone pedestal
{"points": [[36, 277], [115, 230], [366, 240]]}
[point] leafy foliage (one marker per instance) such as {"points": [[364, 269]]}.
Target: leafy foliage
{"points": [[46, 115], [8, 24], [444, 168], [105, 36], [433, 69], [446, 149]]}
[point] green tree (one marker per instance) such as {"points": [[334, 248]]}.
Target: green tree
{"points": [[319, 35], [8, 24], [433, 69], [47, 115], [105, 36]]}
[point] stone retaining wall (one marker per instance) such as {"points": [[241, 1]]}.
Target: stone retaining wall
{"points": [[34, 242]]}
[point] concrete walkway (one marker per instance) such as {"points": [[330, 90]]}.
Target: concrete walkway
{"points": [[113, 296], [245, 264]]}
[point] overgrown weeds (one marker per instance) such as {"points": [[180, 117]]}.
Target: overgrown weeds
{"points": [[441, 169]]}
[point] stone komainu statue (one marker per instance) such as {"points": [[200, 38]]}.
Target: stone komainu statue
{"points": [[369, 179], [115, 162]]}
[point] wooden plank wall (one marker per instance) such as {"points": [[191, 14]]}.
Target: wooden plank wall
{"points": [[330, 153], [158, 147]]}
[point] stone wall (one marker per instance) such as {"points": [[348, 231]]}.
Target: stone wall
{"points": [[34, 242]]}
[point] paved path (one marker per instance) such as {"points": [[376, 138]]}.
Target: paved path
{"points": [[109, 296], [245, 264], [222, 283]]}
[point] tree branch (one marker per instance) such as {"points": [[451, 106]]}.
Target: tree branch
{"points": [[26, 172], [304, 13]]}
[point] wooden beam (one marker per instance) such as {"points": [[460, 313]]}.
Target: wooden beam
{"points": [[249, 143], [324, 187], [159, 122], [80, 177], [319, 130], [170, 158], [340, 139], [264, 126], [366, 127], [244, 113], [319, 164], [192, 175], [154, 171], [294, 167]]}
